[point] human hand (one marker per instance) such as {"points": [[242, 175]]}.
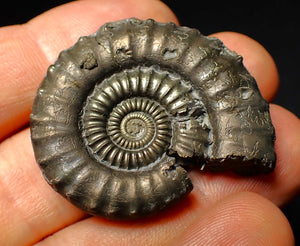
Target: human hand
{"points": [[219, 211]]}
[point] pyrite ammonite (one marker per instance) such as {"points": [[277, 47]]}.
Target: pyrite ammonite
{"points": [[120, 113]]}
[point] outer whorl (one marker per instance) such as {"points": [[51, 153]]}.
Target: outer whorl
{"points": [[118, 114]]}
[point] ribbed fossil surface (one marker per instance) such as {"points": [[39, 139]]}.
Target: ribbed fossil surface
{"points": [[120, 113]]}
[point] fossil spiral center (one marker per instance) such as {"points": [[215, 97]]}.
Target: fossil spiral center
{"points": [[136, 125]]}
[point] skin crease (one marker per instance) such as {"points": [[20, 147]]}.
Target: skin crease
{"points": [[30, 211]]}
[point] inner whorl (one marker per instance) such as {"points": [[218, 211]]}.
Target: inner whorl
{"points": [[126, 120]]}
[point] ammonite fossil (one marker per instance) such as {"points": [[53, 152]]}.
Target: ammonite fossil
{"points": [[121, 113]]}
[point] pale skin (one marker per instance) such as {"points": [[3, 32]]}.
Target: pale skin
{"points": [[223, 209]]}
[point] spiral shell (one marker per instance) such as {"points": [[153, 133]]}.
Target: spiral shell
{"points": [[121, 111]]}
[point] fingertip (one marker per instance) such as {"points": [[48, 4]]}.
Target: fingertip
{"points": [[257, 60], [284, 118], [239, 219], [287, 147], [287, 129]]}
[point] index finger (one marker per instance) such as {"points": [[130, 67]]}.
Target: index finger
{"points": [[27, 50]]}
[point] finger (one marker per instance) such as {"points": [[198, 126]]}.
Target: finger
{"points": [[32, 209], [27, 50], [256, 59], [238, 219], [279, 186], [29, 207], [160, 230]]}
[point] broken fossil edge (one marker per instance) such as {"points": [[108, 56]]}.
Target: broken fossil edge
{"points": [[120, 113]]}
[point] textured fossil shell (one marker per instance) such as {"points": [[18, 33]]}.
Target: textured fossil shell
{"points": [[120, 113]]}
